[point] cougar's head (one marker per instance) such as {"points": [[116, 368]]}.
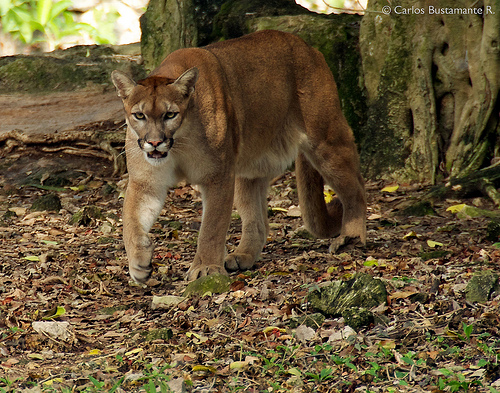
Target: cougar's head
{"points": [[155, 108]]}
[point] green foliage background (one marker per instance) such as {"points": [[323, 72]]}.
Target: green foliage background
{"points": [[33, 21]]}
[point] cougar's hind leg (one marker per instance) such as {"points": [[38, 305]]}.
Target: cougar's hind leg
{"points": [[251, 203], [338, 164], [322, 220], [331, 150]]}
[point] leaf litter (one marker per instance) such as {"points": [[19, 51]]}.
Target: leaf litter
{"points": [[71, 320]]}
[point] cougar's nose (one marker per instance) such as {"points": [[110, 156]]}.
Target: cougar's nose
{"points": [[155, 143]]}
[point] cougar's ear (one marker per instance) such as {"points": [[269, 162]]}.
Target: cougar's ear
{"points": [[185, 83], [123, 83]]}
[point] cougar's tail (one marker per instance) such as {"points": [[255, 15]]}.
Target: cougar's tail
{"points": [[321, 219]]}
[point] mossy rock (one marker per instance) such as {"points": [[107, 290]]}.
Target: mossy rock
{"points": [[87, 216], [362, 291], [481, 286], [49, 202], [74, 68], [313, 321], [50, 177], [9, 215], [214, 283], [433, 254], [234, 16], [358, 317], [158, 334], [419, 209], [493, 230]]}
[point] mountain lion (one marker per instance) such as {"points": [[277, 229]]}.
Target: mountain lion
{"points": [[230, 117]]}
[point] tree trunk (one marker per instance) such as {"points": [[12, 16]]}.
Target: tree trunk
{"points": [[432, 81]]}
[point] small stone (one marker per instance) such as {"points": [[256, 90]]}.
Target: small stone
{"points": [[49, 202], [214, 283], [362, 291], [86, 216], [481, 286], [358, 318]]}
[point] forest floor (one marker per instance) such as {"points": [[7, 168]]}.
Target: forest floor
{"points": [[428, 338]]}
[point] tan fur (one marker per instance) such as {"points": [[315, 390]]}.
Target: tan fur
{"points": [[230, 117]]}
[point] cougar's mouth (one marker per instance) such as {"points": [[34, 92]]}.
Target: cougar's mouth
{"points": [[156, 150], [157, 154]]}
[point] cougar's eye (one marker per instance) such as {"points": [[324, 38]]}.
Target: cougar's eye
{"points": [[170, 115], [139, 115]]}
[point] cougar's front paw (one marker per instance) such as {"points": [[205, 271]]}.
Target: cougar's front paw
{"points": [[139, 273], [139, 254], [198, 271], [239, 261]]}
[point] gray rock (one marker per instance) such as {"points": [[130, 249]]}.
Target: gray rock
{"points": [[177, 385], [49, 202], [358, 317], [362, 291], [481, 286], [215, 283]]}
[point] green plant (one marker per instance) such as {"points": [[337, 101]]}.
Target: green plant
{"points": [[467, 330], [409, 358], [32, 21], [155, 378], [455, 381], [324, 375], [374, 371], [7, 383], [347, 361]]}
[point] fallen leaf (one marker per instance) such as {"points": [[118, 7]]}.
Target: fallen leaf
{"points": [[390, 188], [50, 382], [433, 244], [209, 369], [411, 235], [294, 211], [238, 365], [54, 313], [304, 333], [168, 300], [401, 294], [133, 352], [456, 208], [32, 258], [329, 195], [58, 330]]}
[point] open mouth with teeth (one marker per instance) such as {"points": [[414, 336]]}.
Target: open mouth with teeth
{"points": [[157, 154]]}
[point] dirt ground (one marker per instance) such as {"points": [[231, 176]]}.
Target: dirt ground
{"points": [[118, 340]]}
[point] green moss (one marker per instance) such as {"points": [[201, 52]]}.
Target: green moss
{"points": [[61, 70], [49, 202], [419, 209], [433, 254], [87, 216], [158, 334], [384, 145], [493, 230], [232, 19], [215, 283]]}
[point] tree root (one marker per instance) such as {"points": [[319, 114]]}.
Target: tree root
{"points": [[484, 181], [94, 144]]}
